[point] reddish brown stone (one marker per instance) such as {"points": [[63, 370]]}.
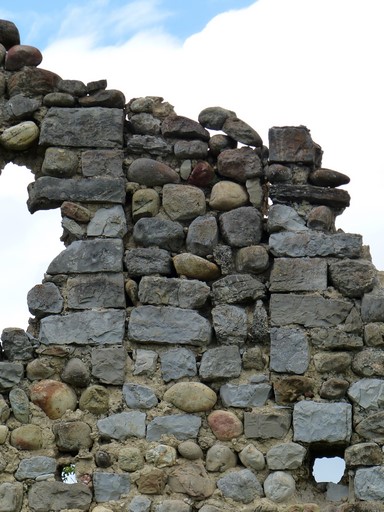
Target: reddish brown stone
{"points": [[22, 55], [202, 175], [9, 34], [54, 397], [32, 82], [289, 389], [75, 211], [225, 425]]}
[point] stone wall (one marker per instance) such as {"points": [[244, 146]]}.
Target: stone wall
{"points": [[206, 333]]}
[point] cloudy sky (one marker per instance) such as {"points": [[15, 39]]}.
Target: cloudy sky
{"points": [[274, 62]]}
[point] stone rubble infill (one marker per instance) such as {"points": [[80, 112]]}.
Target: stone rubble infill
{"points": [[206, 333]]}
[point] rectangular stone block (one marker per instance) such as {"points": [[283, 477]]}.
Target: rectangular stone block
{"points": [[372, 306], [96, 291], [313, 244], [332, 197], [48, 192], [267, 424], [181, 293], [308, 310], [298, 275], [182, 426], [168, 325], [85, 328], [289, 351], [94, 127], [98, 162], [291, 144]]}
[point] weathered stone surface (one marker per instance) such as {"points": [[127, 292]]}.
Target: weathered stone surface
{"points": [[191, 396], [314, 243], [182, 293], [289, 351], [48, 192], [201, 175], [284, 218], [230, 324], [110, 486], [321, 218], [122, 425], [20, 136], [371, 427], [59, 163], [75, 211], [225, 425], [17, 346], [36, 467], [102, 162], [56, 496], [237, 288], [177, 363], [369, 483], [183, 202], [19, 402], [10, 375], [75, 87], [215, 117], [145, 362], [9, 34], [227, 195], [44, 299], [156, 146], [53, 397], [72, 436], [87, 327], [299, 275], [363, 454], [334, 388], [20, 107], [279, 486], [180, 127], [191, 479], [286, 456], [202, 236], [239, 164], [278, 173], [253, 359], [369, 363], [152, 324], [110, 98], [219, 142], [145, 203], [27, 437], [182, 426], [140, 504], [108, 364], [244, 395], [253, 259], [335, 339], [173, 506], [374, 334], [159, 232], [242, 226], [96, 291], [59, 99], [337, 362], [137, 396], [267, 423], [94, 399], [108, 223], [219, 363], [195, 267], [372, 306], [308, 310], [161, 456], [220, 458], [252, 458], [289, 389], [145, 123], [241, 486], [147, 261], [316, 422], [328, 178], [190, 450], [241, 132], [32, 82], [83, 127], [151, 481], [352, 278], [291, 144], [130, 459], [196, 149]]}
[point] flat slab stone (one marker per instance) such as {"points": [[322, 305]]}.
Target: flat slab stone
{"points": [[123, 425], [93, 127], [57, 496], [299, 275], [85, 328], [369, 483], [367, 393], [267, 424], [312, 244], [237, 288], [289, 351], [141, 261], [104, 290], [181, 293], [10, 374], [332, 197], [245, 395], [167, 325], [110, 486], [220, 363], [322, 422], [182, 426]]}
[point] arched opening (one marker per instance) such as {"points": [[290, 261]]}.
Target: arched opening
{"points": [[28, 245]]}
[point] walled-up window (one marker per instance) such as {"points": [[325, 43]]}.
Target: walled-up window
{"points": [[28, 245]]}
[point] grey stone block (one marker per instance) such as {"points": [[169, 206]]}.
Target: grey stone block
{"points": [[298, 275], [335, 339], [322, 422], [89, 256], [182, 426], [284, 218], [353, 278], [166, 325], [237, 288], [241, 486], [163, 233], [147, 260], [289, 351], [369, 363], [286, 456], [230, 324], [371, 427], [123, 425], [110, 486], [372, 306], [145, 362], [17, 344], [267, 424], [279, 486], [244, 395], [242, 226], [11, 496], [102, 162], [19, 403], [291, 144], [57, 496], [96, 291], [10, 375], [369, 483], [140, 504], [108, 223], [87, 327], [203, 235], [220, 363], [181, 293], [44, 299], [177, 363], [137, 396], [35, 467], [108, 364]]}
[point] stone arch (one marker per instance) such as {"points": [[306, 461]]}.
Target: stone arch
{"points": [[190, 347]]}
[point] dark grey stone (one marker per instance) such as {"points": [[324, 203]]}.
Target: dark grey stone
{"points": [[21, 107], [289, 351], [177, 363], [17, 344], [242, 226], [220, 363], [108, 223], [369, 483], [102, 162], [335, 339], [145, 124], [137, 396], [110, 486], [230, 324], [140, 504], [267, 424], [155, 231], [299, 275], [87, 327], [87, 291], [48, 192], [56, 496], [196, 149], [44, 299], [157, 146], [215, 117], [241, 486], [308, 310], [291, 144], [108, 365], [147, 260], [237, 288], [123, 425], [180, 127], [60, 163], [181, 293], [83, 127], [314, 243], [35, 467], [76, 373], [152, 173], [241, 132], [223, 256], [19, 402], [152, 324], [10, 375], [244, 395], [352, 278], [322, 422], [72, 436], [239, 164], [203, 235], [372, 306], [89, 256], [284, 218], [182, 426]]}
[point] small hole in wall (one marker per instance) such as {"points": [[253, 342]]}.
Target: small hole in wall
{"points": [[67, 474], [328, 469]]}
